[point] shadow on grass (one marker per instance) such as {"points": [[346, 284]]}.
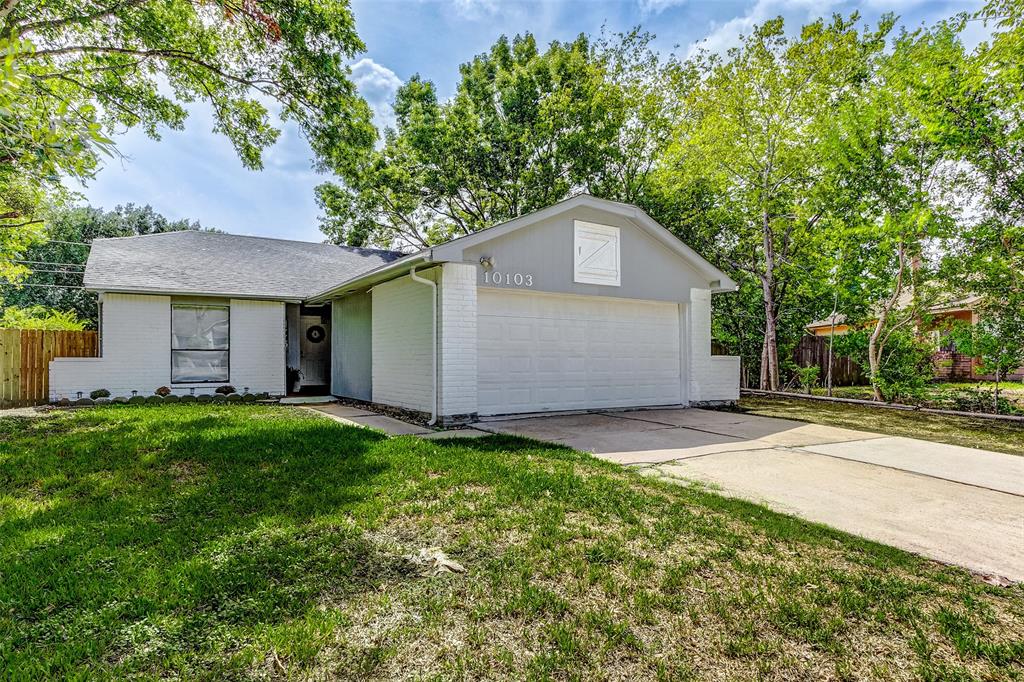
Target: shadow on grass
{"points": [[177, 523]]}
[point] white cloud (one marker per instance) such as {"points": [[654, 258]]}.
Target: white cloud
{"points": [[648, 7], [722, 36], [475, 9], [378, 85]]}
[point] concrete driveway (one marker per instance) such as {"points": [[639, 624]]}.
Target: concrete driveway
{"points": [[958, 505]]}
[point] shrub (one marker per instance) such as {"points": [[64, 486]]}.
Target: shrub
{"points": [[807, 377], [906, 364], [39, 317], [972, 400], [225, 390], [99, 393], [162, 391]]}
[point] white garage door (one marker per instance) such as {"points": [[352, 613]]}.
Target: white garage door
{"points": [[553, 352]]}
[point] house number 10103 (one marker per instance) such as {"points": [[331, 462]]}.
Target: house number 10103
{"points": [[508, 278]]}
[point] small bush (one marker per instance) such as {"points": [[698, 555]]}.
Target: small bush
{"points": [[971, 400], [162, 391], [99, 393], [225, 390], [905, 368], [807, 377]]}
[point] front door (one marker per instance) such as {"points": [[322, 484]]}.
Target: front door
{"points": [[314, 350]]}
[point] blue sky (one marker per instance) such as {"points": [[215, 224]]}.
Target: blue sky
{"points": [[195, 174]]}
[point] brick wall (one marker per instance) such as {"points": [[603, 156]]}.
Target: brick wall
{"points": [[136, 350], [258, 346], [952, 366], [710, 378], [457, 346]]}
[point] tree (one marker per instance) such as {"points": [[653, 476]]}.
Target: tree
{"points": [[997, 343], [752, 131], [524, 129], [39, 317], [972, 104], [79, 70], [56, 265], [892, 185], [40, 140]]}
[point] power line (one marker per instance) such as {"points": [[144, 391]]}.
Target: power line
{"points": [[61, 241], [60, 272], [45, 262], [42, 286]]}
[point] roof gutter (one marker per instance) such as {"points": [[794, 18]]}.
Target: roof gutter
{"points": [[153, 291], [381, 274]]}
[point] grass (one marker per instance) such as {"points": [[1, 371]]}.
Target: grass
{"points": [[247, 542], [966, 396], [987, 434]]}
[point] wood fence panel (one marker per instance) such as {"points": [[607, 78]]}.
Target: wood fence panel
{"points": [[812, 351], [25, 356], [10, 365]]}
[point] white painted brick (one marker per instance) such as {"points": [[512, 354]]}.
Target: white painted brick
{"points": [[258, 346], [711, 378], [136, 353], [458, 339]]}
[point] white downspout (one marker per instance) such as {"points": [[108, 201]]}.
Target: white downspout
{"points": [[433, 339]]}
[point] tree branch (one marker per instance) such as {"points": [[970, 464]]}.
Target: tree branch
{"points": [[80, 19]]}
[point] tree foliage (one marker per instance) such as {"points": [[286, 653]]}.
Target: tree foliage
{"points": [[76, 71], [524, 129], [56, 266], [39, 317], [753, 134]]}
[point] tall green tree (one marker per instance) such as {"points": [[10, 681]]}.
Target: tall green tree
{"points": [[972, 103], [524, 129], [56, 265], [41, 140], [893, 186], [753, 132], [79, 70]]}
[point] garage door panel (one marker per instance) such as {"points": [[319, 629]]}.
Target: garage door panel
{"points": [[541, 352]]}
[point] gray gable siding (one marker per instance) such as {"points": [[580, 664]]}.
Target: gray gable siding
{"points": [[545, 251]]}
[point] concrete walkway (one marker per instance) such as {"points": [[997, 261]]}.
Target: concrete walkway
{"points": [[954, 504]]}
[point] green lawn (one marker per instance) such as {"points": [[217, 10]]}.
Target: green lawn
{"points": [[988, 434], [213, 542], [967, 396]]}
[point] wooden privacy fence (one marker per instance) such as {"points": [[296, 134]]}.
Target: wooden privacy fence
{"points": [[812, 351], [25, 356]]}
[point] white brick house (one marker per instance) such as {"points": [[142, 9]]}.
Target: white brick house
{"points": [[587, 304]]}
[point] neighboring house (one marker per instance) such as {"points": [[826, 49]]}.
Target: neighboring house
{"points": [[585, 304], [950, 365]]}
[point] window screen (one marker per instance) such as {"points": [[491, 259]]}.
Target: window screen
{"points": [[199, 343]]}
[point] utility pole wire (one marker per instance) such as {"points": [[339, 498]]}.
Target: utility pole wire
{"points": [[42, 286], [45, 262], [59, 272]]}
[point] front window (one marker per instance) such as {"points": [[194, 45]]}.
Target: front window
{"points": [[199, 343]]}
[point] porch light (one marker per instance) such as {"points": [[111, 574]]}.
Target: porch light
{"points": [[487, 262], [79, 394], [245, 389], [192, 390], [134, 393]]}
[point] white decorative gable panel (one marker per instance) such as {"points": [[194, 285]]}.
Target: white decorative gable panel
{"points": [[596, 254]]}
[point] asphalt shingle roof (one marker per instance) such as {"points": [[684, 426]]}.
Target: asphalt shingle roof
{"points": [[226, 264]]}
